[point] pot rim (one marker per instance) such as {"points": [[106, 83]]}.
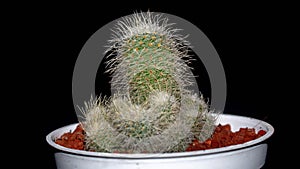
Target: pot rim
{"points": [[260, 124]]}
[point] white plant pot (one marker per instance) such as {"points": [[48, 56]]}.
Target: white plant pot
{"points": [[249, 155]]}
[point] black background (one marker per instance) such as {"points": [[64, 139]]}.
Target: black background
{"points": [[249, 39]]}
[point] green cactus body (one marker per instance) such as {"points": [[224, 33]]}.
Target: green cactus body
{"points": [[149, 80], [150, 63], [147, 62], [151, 108]]}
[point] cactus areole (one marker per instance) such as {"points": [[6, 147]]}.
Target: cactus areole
{"points": [[152, 108]]}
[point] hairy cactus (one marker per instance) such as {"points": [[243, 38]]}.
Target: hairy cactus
{"points": [[151, 109]]}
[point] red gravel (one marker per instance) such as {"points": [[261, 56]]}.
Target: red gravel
{"points": [[222, 136]]}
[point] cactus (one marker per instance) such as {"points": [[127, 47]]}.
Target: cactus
{"points": [[151, 109]]}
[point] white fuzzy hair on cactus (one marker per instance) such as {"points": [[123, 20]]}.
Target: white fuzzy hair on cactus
{"points": [[151, 109]]}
